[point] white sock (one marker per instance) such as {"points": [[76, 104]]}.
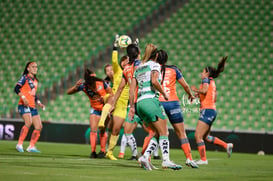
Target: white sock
{"points": [[132, 143], [123, 144], [151, 147], [165, 147], [156, 151]]}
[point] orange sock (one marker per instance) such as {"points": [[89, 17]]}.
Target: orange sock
{"points": [[185, 145], [93, 141], [34, 137], [103, 140], [217, 141], [23, 134], [147, 141], [202, 150]]}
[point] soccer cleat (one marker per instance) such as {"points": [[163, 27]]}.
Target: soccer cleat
{"points": [[191, 163], [157, 158], [33, 149], [121, 155], [110, 156], [101, 155], [152, 166], [144, 163], [201, 162], [93, 155], [171, 165], [229, 149], [20, 148]]}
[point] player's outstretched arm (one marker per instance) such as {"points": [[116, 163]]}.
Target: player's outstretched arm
{"points": [[186, 87], [74, 89]]}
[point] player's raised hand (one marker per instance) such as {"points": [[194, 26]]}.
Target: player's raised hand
{"points": [[136, 42], [116, 41]]}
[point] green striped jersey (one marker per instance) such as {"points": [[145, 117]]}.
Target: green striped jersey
{"points": [[144, 81]]}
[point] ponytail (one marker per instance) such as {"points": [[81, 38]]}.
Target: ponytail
{"points": [[132, 52], [214, 73], [91, 79], [162, 60], [150, 52]]}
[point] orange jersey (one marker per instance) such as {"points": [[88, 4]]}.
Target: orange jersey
{"points": [[128, 73], [172, 74], [208, 100], [28, 89], [95, 96]]}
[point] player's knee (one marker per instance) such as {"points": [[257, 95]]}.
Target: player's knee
{"points": [[115, 132]]}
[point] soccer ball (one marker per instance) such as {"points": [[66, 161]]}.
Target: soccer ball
{"points": [[124, 41]]}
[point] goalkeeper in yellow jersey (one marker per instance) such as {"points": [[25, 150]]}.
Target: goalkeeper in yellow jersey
{"points": [[120, 111]]}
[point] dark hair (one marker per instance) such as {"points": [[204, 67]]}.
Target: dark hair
{"points": [[132, 52], [162, 60], [162, 57], [213, 72], [90, 79], [26, 71]]}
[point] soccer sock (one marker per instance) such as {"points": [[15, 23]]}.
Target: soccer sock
{"points": [[104, 113], [93, 140], [146, 142], [150, 148], [23, 134], [185, 145], [217, 141], [156, 151], [34, 137], [165, 147], [103, 140], [123, 144], [132, 143], [202, 150], [112, 142]]}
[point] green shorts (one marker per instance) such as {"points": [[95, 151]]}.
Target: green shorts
{"points": [[150, 110], [135, 120]]}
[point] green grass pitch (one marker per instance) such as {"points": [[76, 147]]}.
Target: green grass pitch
{"points": [[71, 162]]}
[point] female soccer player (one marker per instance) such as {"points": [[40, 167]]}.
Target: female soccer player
{"points": [[207, 94], [26, 88], [147, 77], [119, 114], [98, 92], [133, 53], [171, 74]]}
